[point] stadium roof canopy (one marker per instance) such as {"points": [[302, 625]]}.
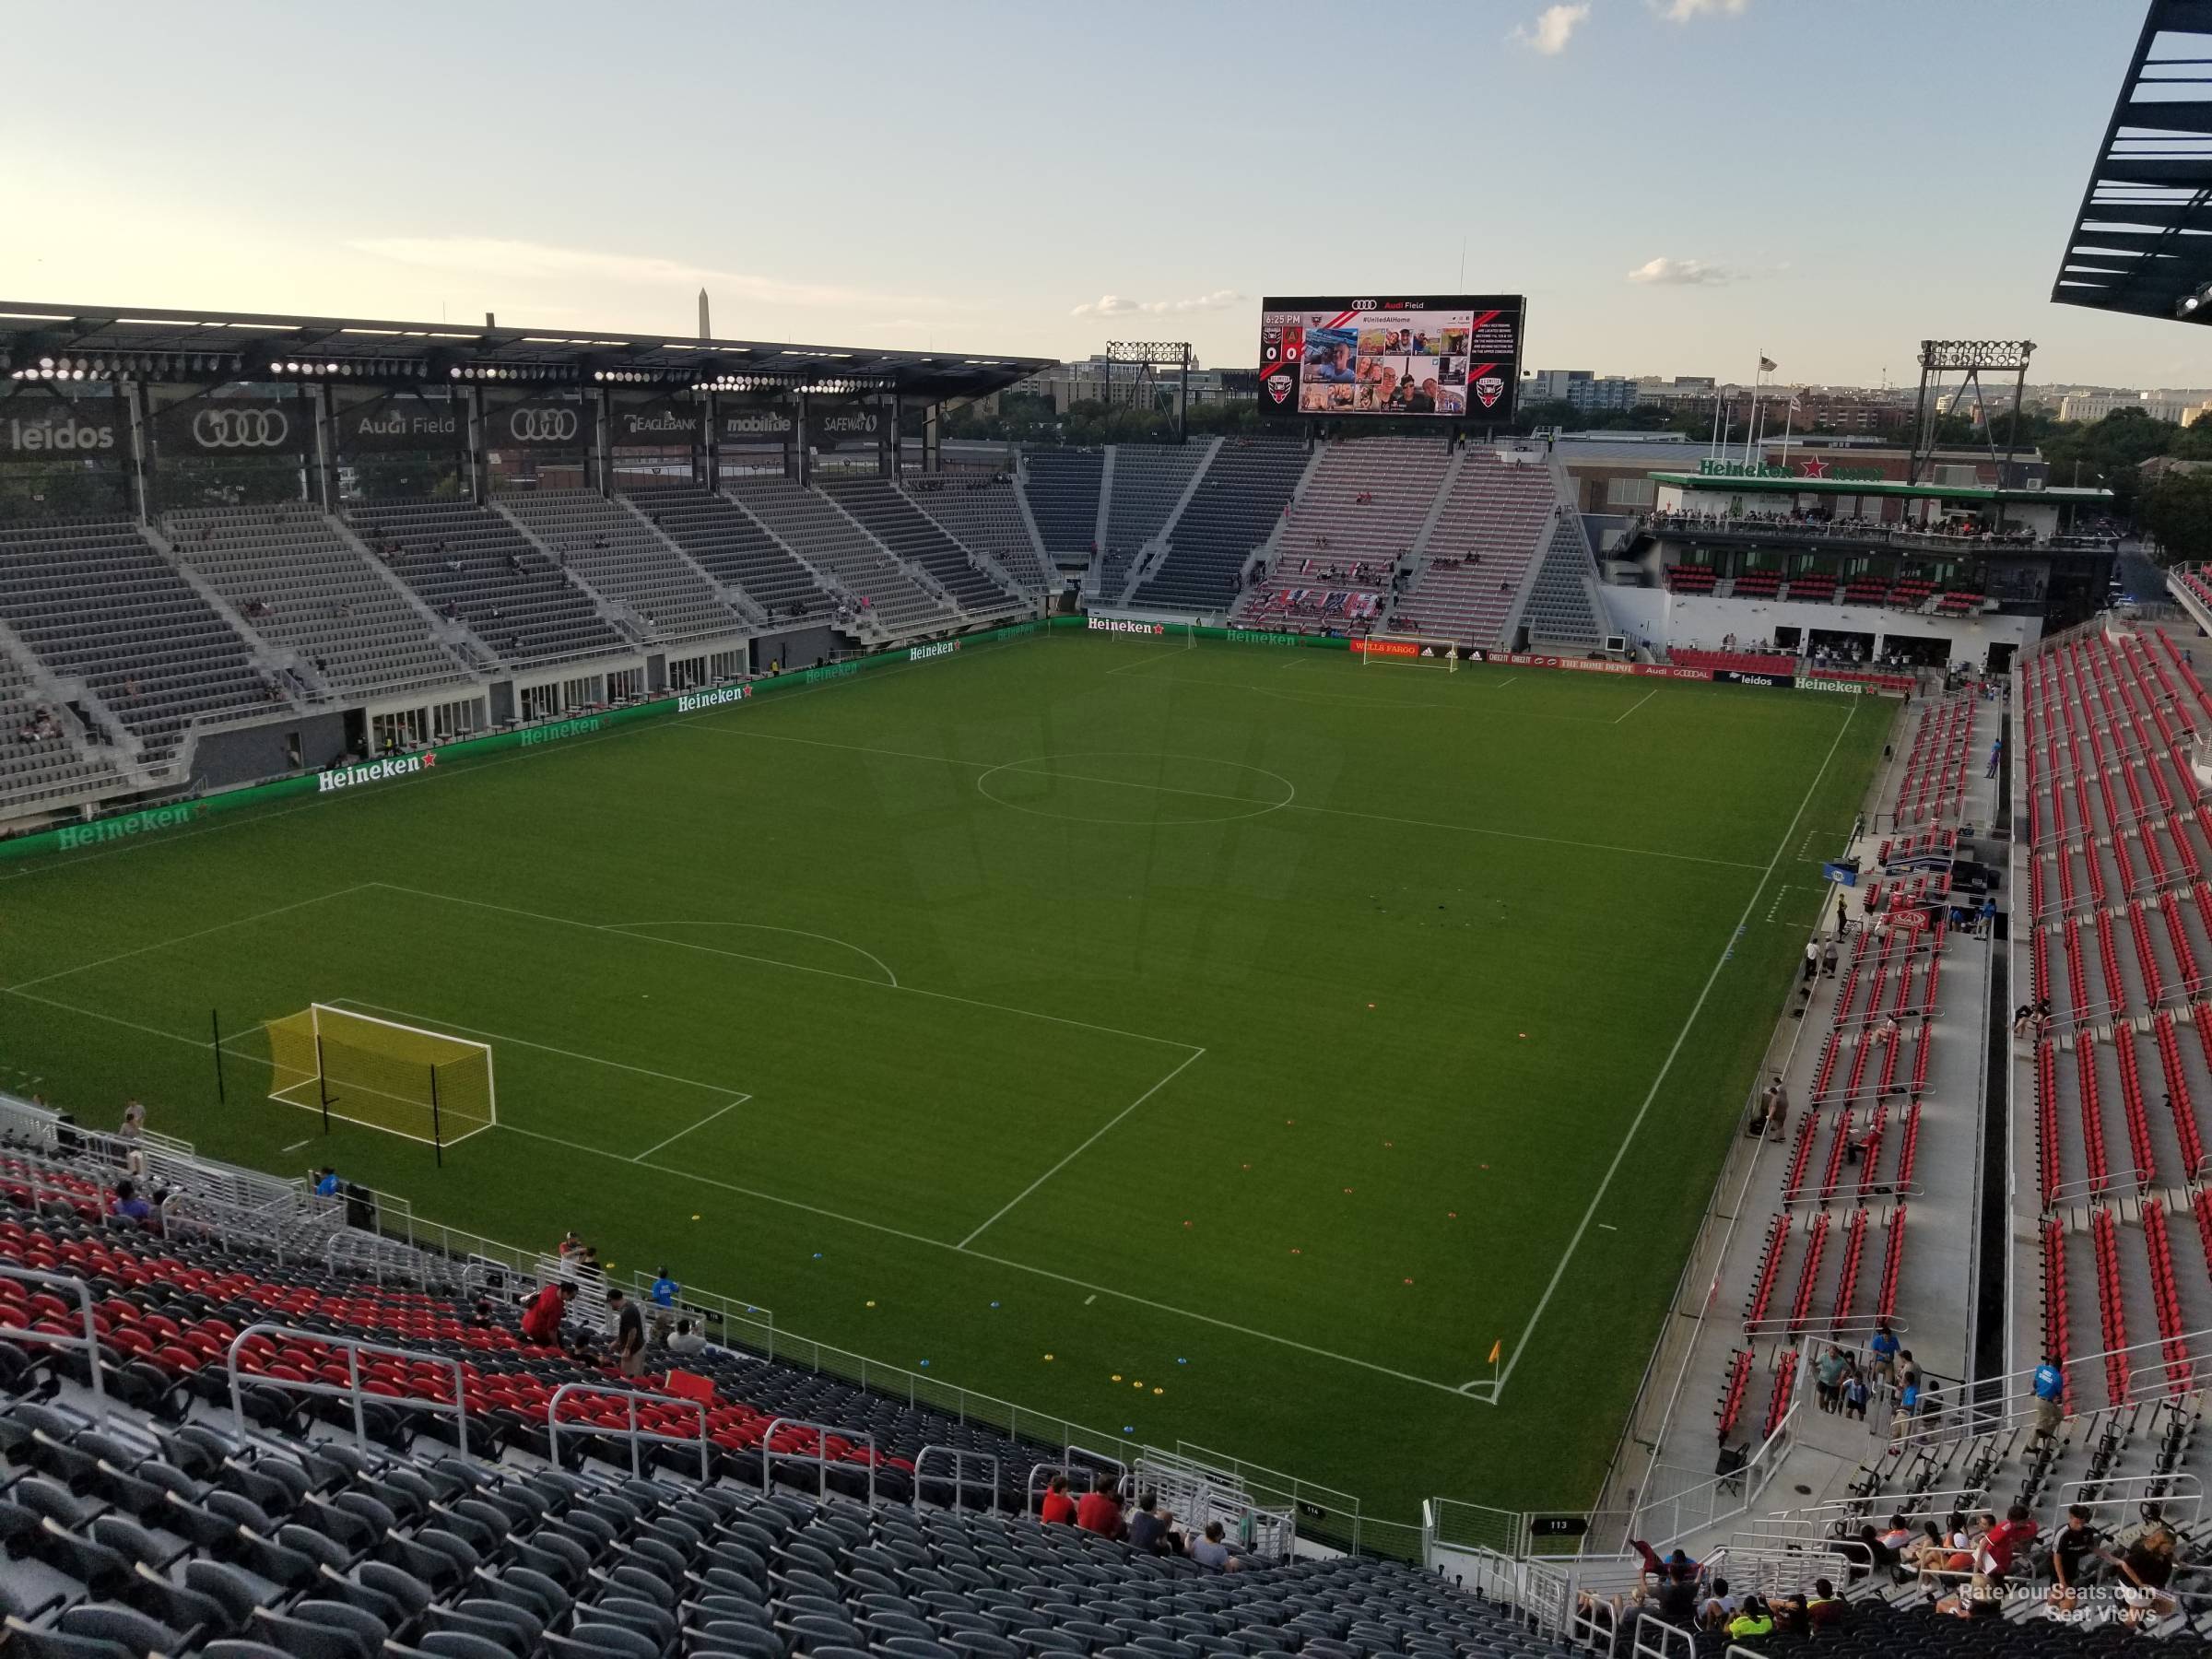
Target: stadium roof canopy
{"points": [[109, 340], [2142, 241]]}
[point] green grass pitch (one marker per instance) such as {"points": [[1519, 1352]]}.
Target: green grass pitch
{"points": [[1272, 1033]]}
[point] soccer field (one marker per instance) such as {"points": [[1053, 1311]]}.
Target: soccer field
{"points": [[1220, 1044]]}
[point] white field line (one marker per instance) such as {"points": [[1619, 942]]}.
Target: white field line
{"points": [[1094, 1138], [1148, 659], [1681, 1037], [1636, 705], [1097, 1290], [889, 977], [124, 956], [679, 1135], [1550, 841], [857, 979]]}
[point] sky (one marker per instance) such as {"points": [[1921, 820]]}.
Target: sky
{"points": [[1677, 185]]}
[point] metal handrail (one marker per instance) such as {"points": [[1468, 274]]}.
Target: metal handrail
{"points": [[354, 1347], [820, 1456], [961, 1480], [635, 1435], [89, 1341]]}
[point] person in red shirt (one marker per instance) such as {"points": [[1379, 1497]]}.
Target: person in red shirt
{"points": [[1058, 1509], [1101, 1511], [2007, 1538], [541, 1319]]}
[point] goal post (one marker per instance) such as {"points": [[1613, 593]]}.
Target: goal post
{"points": [[356, 1068], [1409, 651]]}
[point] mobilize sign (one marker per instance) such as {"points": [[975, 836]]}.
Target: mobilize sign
{"points": [[712, 699], [921, 654], [136, 823], [1125, 625], [375, 772]]}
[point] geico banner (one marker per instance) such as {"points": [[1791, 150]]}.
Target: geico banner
{"points": [[401, 422], [566, 426], [44, 428], [657, 426], [235, 427]]}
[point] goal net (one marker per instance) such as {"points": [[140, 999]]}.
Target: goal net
{"points": [[1409, 651], [400, 1079]]}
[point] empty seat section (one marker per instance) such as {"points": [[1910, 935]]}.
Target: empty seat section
{"points": [[731, 548], [1148, 480], [43, 754], [1492, 523], [626, 560], [474, 567], [918, 539], [812, 526], [985, 516], [1234, 508], [95, 602], [299, 583], [1361, 512], [1063, 489]]}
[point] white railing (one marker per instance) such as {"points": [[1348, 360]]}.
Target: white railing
{"points": [[639, 1438], [1725, 1496], [961, 1480], [820, 1456], [353, 1348], [89, 1342]]}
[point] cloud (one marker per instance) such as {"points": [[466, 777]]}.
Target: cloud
{"points": [[1555, 25], [1114, 305], [1681, 273], [1683, 11], [524, 261]]}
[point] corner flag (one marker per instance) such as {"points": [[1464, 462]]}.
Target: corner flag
{"points": [[1497, 1349]]}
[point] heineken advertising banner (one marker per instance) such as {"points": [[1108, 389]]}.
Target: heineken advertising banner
{"points": [[38, 424], [404, 420], [235, 428]]}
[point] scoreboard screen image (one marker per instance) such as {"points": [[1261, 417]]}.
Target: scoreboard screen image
{"points": [[1455, 356]]}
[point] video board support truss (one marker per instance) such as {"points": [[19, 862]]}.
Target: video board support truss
{"points": [[1970, 359], [1148, 356]]}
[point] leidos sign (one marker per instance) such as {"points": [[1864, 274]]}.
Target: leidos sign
{"points": [[59, 435], [375, 772]]}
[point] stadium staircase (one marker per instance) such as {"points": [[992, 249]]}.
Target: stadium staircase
{"points": [[889, 514], [751, 565], [475, 566], [625, 559], [99, 608], [1239, 505], [1147, 487], [1499, 528], [294, 579], [216, 1448], [814, 530], [1356, 523], [1063, 489], [987, 517]]}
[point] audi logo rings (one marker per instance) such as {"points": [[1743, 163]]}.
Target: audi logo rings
{"points": [[542, 426], [240, 428]]}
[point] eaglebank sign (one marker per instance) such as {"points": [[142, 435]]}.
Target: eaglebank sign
{"points": [[1128, 625], [712, 699], [136, 823], [375, 772], [921, 654], [559, 729]]}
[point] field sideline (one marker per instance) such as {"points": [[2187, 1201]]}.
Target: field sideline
{"points": [[1260, 1036]]}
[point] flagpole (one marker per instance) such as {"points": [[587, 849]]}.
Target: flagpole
{"points": [[1789, 423], [1751, 422]]}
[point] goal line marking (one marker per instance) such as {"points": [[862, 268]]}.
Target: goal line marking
{"points": [[1636, 705], [356, 1004], [1667, 1065], [1095, 1135]]}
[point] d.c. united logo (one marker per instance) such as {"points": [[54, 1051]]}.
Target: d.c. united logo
{"points": [[1278, 387], [1489, 389]]}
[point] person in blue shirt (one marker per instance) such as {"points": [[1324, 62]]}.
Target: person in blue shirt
{"points": [[2050, 1387], [327, 1183], [1884, 1350], [664, 1294]]}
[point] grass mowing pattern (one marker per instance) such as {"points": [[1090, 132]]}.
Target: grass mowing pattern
{"points": [[1247, 1025]]}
